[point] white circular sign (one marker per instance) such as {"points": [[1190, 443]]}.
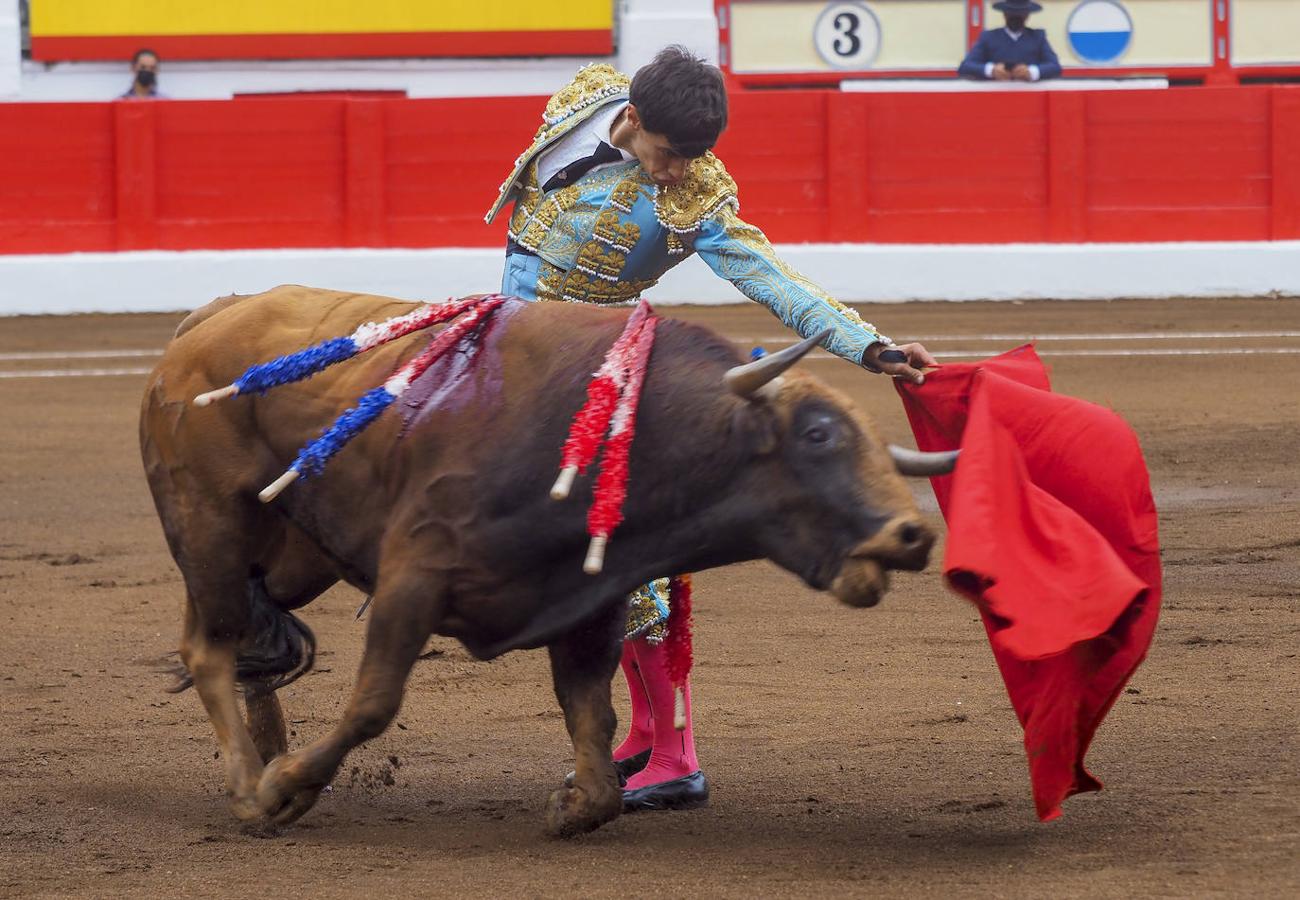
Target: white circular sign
{"points": [[847, 35], [1100, 31]]}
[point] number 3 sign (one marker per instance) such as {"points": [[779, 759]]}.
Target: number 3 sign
{"points": [[847, 35]]}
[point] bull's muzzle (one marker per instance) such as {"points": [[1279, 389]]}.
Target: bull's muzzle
{"points": [[903, 543]]}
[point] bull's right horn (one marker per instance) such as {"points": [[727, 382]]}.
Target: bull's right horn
{"points": [[745, 380], [923, 464]]}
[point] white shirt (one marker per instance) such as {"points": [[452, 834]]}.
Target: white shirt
{"points": [[580, 142]]}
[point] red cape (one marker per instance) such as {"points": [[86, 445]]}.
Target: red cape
{"points": [[1052, 534]]}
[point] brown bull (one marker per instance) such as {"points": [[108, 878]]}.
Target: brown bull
{"points": [[442, 514]]}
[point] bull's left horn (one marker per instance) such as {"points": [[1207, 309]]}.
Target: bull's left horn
{"points": [[745, 380], [923, 464]]}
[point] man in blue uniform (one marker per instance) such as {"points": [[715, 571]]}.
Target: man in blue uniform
{"points": [[618, 186], [1013, 53]]}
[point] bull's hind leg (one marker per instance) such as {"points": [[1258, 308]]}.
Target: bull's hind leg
{"points": [[209, 653], [237, 630], [404, 613], [582, 666]]}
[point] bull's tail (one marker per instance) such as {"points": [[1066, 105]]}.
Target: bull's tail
{"points": [[279, 649]]}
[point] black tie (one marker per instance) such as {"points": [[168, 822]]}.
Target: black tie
{"points": [[603, 153]]}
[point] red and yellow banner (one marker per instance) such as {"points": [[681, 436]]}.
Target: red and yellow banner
{"points": [[298, 29]]}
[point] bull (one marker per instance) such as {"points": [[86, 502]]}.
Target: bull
{"points": [[441, 514]]}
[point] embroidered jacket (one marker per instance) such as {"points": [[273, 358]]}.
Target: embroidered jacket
{"points": [[613, 233]]}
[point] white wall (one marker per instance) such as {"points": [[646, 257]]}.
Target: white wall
{"points": [[647, 26], [10, 49], [157, 281]]}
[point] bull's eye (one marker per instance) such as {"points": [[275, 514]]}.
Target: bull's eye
{"points": [[817, 434]]}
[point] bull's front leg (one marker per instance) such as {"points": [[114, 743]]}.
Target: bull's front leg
{"points": [[582, 665], [403, 615]]}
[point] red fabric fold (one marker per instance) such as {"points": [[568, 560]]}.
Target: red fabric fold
{"points": [[1052, 534]]}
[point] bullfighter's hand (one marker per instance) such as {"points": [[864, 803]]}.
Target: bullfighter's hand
{"points": [[918, 358], [1001, 73], [1021, 73]]}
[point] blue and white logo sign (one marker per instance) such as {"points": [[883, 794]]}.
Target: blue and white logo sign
{"points": [[1100, 31]]}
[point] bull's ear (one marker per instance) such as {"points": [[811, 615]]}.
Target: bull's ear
{"points": [[755, 428]]}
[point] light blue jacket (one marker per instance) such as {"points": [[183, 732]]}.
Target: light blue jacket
{"points": [[613, 233]]}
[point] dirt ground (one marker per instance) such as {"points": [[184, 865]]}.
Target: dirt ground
{"points": [[851, 752]]}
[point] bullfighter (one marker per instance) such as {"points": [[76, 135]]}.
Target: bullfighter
{"points": [[618, 186]]}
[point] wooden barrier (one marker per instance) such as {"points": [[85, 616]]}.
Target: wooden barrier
{"points": [[813, 166]]}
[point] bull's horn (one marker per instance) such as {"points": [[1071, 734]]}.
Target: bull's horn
{"points": [[745, 380], [916, 462]]}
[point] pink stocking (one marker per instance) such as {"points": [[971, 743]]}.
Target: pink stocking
{"points": [[640, 733], [672, 752]]}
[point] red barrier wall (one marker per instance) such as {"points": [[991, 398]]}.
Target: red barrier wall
{"points": [[813, 166]]}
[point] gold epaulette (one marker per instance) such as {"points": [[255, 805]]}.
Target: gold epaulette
{"points": [[687, 205], [592, 84]]}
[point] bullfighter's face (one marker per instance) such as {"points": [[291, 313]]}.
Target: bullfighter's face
{"points": [[654, 151]]}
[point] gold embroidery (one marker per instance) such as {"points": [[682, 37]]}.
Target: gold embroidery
{"points": [[556, 203], [580, 287], [645, 617], [595, 260], [614, 233], [675, 245], [550, 282], [687, 205], [628, 192], [526, 205], [592, 84], [557, 225]]}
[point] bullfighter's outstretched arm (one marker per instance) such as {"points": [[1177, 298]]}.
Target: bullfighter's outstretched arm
{"points": [[741, 253]]}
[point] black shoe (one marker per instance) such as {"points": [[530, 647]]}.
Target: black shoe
{"points": [[625, 768], [688, 792]]}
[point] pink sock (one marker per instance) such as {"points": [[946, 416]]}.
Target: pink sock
{"points": [[672, 754], [640, 733]]}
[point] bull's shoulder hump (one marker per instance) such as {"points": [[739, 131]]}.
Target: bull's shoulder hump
{"points": [[682, 338]]}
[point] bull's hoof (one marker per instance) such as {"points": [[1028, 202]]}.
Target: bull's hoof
{"points": [[283, 795], [246, 809], [263, 828], [572, 811]]}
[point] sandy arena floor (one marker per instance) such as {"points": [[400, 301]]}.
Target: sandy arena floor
{"points": [[851, 752]]}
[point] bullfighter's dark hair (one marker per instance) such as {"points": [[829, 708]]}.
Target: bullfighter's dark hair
{"points": [[143, 51], [682, 97]]}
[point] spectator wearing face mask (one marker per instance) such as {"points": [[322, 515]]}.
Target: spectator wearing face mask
{"points": [[144, 66]]}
